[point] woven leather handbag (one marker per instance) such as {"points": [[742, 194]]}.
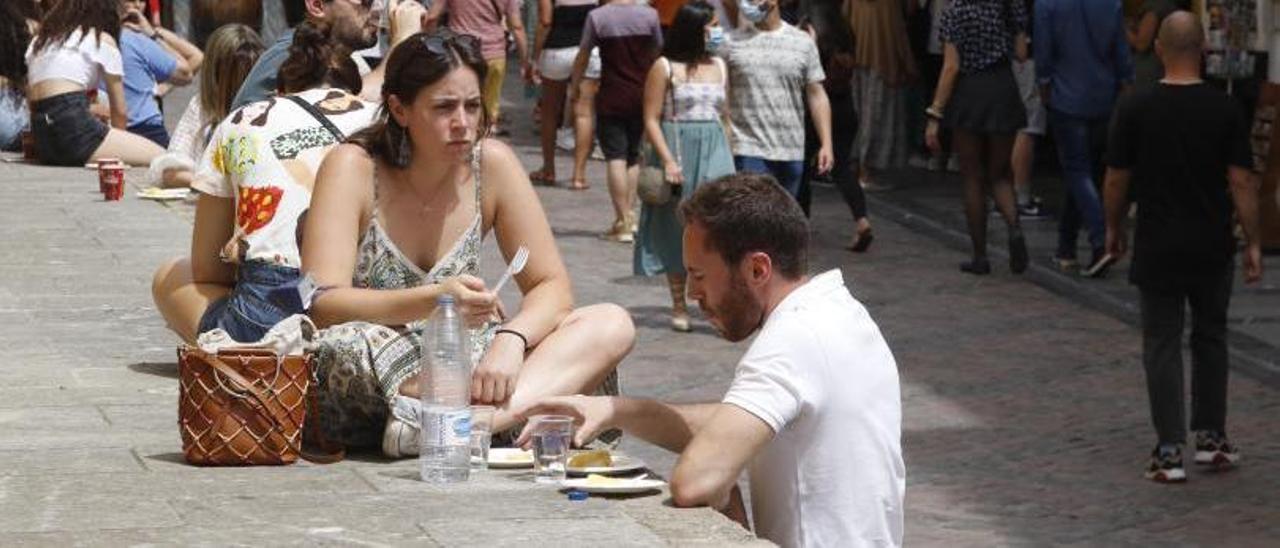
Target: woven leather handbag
{"points": [[241, 407]]}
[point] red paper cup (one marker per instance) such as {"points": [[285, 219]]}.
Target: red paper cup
{"points": [[112, 178], [102, 173]]}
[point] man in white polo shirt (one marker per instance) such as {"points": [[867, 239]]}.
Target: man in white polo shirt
{"points": [[814, 410]]}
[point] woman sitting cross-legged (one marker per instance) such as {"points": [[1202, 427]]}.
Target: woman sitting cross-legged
{"points": [[255, 182], [397, 220]]}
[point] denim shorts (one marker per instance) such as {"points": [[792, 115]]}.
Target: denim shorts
{"points": [[248, 312], [66, 133]]}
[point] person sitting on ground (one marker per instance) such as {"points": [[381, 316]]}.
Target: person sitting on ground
{"points": [[152, 56], [230, 52], [19, 20], [398, 220], [353, 27], [814, 407], [76, 48], [255, 180]]}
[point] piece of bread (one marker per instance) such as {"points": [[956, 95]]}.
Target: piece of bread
{"points": [[593, 458]]}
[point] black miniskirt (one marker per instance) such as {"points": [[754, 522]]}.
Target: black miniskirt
{"points": [[986, 102]]}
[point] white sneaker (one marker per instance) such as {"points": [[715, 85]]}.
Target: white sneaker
{"points": [[400, 439], [565, 139], [401, 436]]}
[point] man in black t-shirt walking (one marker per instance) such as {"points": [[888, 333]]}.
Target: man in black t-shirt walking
{"points": [[1185, 146]]}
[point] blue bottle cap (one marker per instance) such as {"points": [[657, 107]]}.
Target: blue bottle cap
{"points": [[577, 495]]}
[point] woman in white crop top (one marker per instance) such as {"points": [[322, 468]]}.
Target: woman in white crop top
{"points": [[75, 49]]}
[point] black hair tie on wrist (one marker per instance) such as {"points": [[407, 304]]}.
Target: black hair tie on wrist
{"points": [[523, 338]]}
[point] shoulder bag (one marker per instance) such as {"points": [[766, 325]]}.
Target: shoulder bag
{"points": [[653, 187]]}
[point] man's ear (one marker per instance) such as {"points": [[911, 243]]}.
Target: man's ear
{"points": [[759, 268], [315, 8]]}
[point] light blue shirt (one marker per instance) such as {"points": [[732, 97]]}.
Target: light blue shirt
{"points": [[1082, 55], [261, 81], [146, 63]]}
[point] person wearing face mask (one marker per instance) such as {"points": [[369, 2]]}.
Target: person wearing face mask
{"points": [[774, 71], [684, 107]]}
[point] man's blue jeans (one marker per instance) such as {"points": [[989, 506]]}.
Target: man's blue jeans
{"points": [[788, 174], [1081, 143]]}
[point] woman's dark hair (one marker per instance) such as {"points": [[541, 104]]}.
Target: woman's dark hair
{"points": [[316, 59], [93, 17], [419, 62], [748, 212], [15, 36], [686, 40]]}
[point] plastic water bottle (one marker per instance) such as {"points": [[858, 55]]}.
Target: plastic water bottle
{"points": [[445, 455]]}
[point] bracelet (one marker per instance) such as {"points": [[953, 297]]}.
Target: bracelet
{"points": [[933, 112], [523, 338]]}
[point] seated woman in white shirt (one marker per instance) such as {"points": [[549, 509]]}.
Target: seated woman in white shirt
{"points": [[77, 46], [229, 54]]}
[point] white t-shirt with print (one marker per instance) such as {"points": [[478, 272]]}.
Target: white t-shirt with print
{"points": [[768, 73], [265, 156], [822, 377]]}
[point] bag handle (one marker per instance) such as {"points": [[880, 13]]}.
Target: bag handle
{"points": [[319, 116], [267, 407], [671, 93]]}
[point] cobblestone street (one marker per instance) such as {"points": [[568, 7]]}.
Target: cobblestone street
{"points": [[1025, 414]]}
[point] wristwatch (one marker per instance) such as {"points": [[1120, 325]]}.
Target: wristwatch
{"points": [[156, 35]]}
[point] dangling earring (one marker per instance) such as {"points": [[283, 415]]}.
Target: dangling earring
{"points": [[403, 151]]}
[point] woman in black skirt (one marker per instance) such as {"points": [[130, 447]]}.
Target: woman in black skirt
{"points": [[977, 99]]}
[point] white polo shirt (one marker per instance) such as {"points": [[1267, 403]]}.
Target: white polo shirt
{"points": [[823, 378]]}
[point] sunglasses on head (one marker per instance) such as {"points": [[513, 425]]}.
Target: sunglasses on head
{"points": [[439, 44]]}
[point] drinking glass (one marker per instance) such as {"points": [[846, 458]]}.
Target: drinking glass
{"points": [[552, 435], [481, 435]]}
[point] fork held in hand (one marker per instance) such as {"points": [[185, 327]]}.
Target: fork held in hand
{"points": [[517, 265]]}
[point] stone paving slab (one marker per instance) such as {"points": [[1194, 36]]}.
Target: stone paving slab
{"points": [[931, 203], [1025, 417]]}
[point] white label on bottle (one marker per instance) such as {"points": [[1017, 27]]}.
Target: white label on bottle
{"points": [[452, 428]]}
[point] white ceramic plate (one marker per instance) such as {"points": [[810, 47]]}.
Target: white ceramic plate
{"points": [[621, 487], [510, 457], [162, 194], [621, 463]]}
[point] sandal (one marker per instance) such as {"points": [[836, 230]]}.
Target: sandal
{"points": [[579, 184], [542, 178]]}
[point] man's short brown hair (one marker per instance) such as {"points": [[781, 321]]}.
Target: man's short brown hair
{"points": [[749, 212]]}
